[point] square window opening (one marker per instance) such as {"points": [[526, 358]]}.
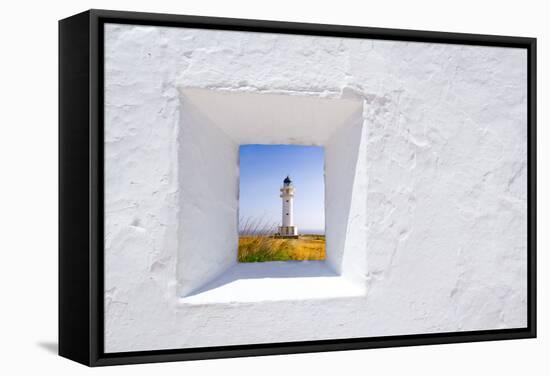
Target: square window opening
{"points": [[212, 202]]}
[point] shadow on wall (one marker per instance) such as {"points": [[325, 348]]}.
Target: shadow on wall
{"points": [[272, 269], [208, 199], [343, 204], [51, 347]]}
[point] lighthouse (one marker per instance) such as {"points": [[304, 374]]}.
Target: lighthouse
{"points": [[287, 195]]}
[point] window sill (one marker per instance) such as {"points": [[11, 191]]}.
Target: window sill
{"points": [[275, 281]]}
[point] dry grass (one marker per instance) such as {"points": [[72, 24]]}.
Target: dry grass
{"points": [[268, 248], [257, 244], [308, 248]]}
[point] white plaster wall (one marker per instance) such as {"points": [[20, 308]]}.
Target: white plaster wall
{"points": [[443, 145], [345, 200], [207, 169]]}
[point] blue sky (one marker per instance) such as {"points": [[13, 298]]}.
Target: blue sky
{"points": [[262, 171]]}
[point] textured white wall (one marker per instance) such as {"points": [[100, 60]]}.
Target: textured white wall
{"points": [[345, 200], [444, 183], [208, 173]]}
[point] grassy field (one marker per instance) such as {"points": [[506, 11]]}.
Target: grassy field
{"points": [[260, 248]]}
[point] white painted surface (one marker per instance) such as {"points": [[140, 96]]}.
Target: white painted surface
{"points": [[208, 172], [275, 281], [287, 198], [437, 181], [277, 116], [345, 200]]}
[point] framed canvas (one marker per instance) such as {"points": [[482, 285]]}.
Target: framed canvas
{"points": [[233, 187]]}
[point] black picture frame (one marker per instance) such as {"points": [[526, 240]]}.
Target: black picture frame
{"points": [[81, 187]]}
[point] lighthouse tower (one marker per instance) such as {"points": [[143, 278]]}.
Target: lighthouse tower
{"points": [[287, 194]]}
